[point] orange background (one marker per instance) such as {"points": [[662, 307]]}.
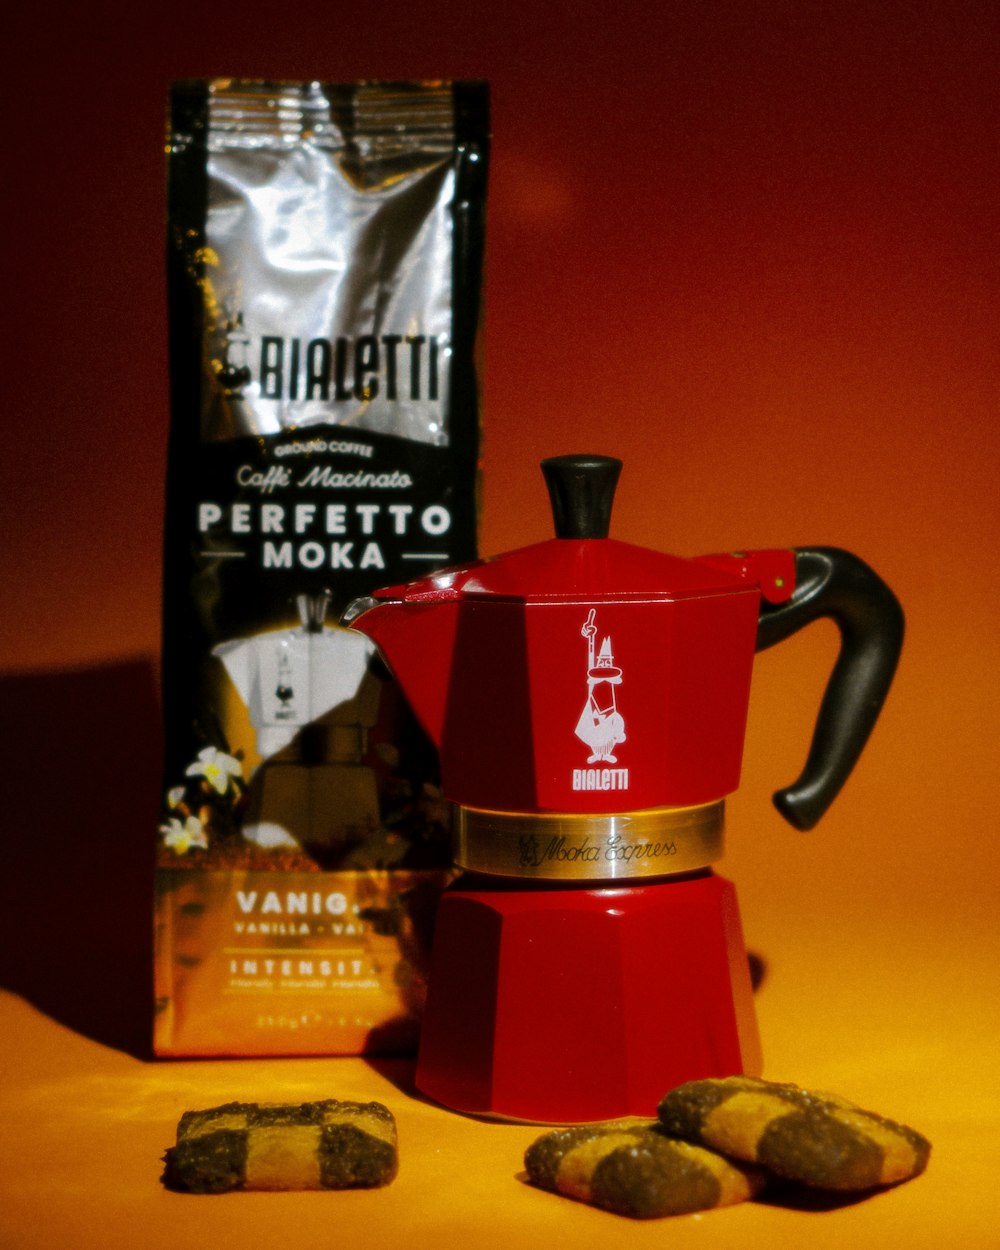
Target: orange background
{"points": [[751, 249]]}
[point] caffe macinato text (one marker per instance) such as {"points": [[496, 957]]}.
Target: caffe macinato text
{"points": [[279, 476]]}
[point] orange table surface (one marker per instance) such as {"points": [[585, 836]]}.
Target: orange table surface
{"points": [[876, 932], [902, 1019]]}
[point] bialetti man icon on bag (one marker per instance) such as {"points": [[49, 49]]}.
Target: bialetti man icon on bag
{"points": [[234, 371], [601, 726], [589, 957]]}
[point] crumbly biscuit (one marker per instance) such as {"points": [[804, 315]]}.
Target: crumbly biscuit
{"points": [[630, 1167], [816, 1139], [312, 1145]]}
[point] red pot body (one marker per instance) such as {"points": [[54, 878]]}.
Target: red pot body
{"points": [[572, 1005], [582, 676]]}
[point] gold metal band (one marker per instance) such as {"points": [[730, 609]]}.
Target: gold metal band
{"points": [[567, 847]]}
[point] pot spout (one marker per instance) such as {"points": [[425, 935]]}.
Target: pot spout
{"points": [[416, 640]]}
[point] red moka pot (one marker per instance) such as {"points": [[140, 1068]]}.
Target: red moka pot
{"points": [[589, 698]]}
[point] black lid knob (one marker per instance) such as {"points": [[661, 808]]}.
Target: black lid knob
{"points": [[582, 490]]}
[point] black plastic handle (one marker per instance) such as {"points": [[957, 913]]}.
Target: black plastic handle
{"points": [[833, 583]]}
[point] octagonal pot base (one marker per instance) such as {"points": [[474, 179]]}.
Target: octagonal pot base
{"points": [[569, 1005]]}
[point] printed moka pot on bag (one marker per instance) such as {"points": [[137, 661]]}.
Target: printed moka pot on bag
{"points": [[589, 699], [312, 698]]}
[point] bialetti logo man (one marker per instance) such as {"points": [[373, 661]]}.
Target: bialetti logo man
{"points": [[601, 726]]}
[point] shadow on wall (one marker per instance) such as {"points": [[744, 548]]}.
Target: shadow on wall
{"points": [[82, 770]]}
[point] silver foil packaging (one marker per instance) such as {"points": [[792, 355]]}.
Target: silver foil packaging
{"points": [[325, 247]]}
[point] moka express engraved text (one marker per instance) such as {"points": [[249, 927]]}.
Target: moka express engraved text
{"points": [[533, 853]]}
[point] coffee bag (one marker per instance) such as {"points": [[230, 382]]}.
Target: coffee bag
{"points": [[324, 263]]}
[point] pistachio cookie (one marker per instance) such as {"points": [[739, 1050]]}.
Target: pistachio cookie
{"points": [[311, 1145], [817, 1139], [630, 1167]]}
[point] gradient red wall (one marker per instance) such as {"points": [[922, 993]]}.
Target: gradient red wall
{"points": [[749, 248]]}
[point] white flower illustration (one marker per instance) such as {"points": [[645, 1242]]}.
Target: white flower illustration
{"points": [[182, 837], [175, 796], [216, 767]]}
